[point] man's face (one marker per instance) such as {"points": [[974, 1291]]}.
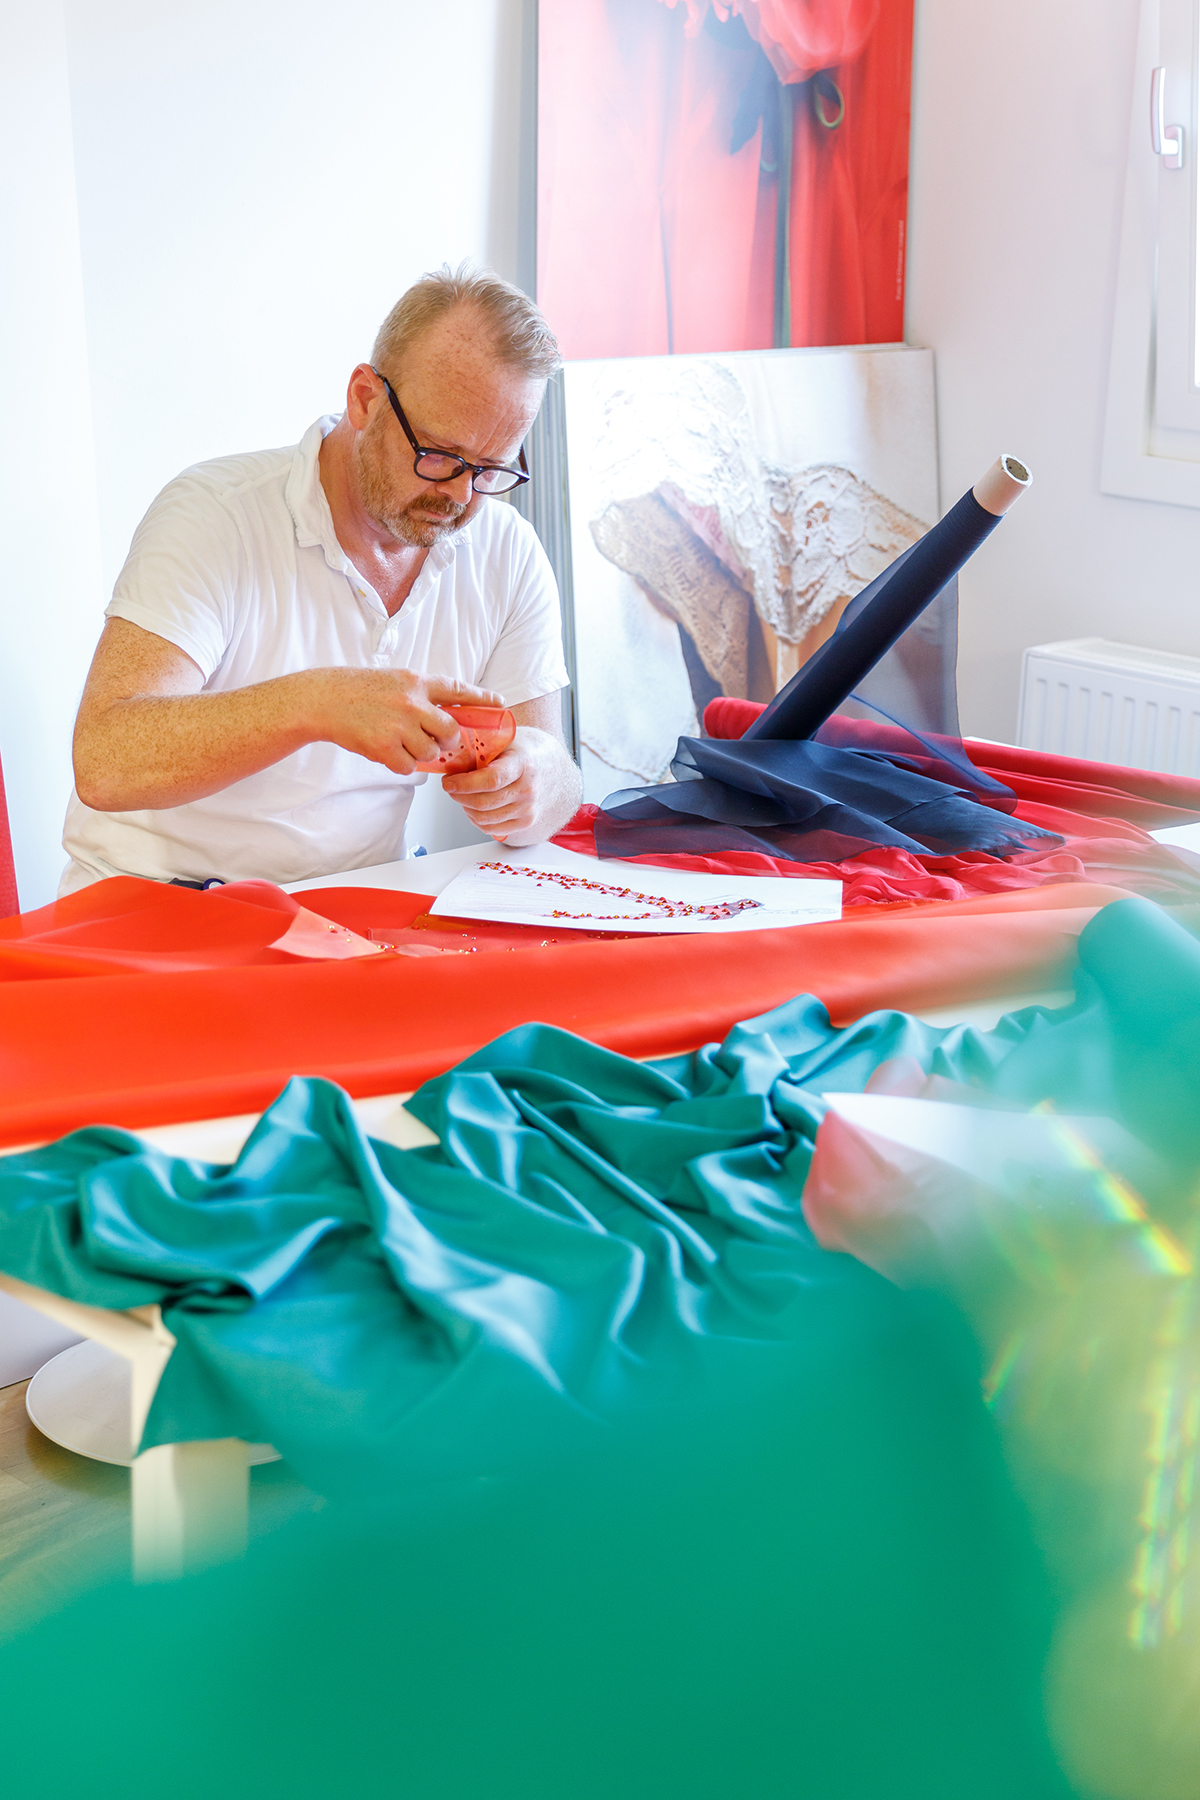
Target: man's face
{"points": [[457, 398]]}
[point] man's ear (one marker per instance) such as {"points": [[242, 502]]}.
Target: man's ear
{"points": [[365, 388]]}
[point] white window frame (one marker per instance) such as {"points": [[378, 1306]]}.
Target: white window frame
{"points": [[1152, 421], [1176, 393]]}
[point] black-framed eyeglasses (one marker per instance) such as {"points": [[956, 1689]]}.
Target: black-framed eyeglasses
{"points": [[439, 465]]}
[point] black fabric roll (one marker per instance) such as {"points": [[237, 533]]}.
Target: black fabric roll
{"points": [[807, 783], [882, 613]]}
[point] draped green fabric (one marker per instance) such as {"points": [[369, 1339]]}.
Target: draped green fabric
{"points": [[669, 1499], [812, 1585], [589, 1235]]}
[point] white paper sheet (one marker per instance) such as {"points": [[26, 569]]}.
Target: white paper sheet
{"points": [[551, 887]]}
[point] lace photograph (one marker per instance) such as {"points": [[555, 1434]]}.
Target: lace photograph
{"points": [[724, 510]]}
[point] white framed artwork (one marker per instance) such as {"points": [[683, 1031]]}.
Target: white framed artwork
{"points": [[723, 511]]}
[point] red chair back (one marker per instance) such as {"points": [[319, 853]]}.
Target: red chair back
{"points": [[8, 873]]}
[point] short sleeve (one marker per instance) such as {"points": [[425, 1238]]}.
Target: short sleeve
{"points": [[527, 660], [183, 572]]}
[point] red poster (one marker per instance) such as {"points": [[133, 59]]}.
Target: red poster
{"points": [[722, 174]]}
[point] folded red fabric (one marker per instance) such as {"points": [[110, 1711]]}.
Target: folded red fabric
{"points": [[126, 925], [199, 1013], [147, 1048]]}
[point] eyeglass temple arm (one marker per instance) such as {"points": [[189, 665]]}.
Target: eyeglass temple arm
{"points": [[522, 464]]}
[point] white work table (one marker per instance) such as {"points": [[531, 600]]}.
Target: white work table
{"points": [[189, 1501]]}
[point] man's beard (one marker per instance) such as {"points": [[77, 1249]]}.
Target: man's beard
{"points": [[422, 522]]}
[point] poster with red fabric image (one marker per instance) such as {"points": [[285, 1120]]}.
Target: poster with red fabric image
{"points": [[720, 175]]}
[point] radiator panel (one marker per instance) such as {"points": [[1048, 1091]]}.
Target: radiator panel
{"points": [[1113, 703]]}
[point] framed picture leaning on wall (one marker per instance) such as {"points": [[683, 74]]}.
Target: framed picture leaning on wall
{"points": [[722, 174], [723, 510]]}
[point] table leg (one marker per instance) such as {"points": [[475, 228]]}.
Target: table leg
{"points": [[190, 1507]]}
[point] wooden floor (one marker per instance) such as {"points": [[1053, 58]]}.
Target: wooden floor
{"points": [[64, 1520]]}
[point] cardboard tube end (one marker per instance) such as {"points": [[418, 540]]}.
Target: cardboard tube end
{"points": [[1003, 483]]}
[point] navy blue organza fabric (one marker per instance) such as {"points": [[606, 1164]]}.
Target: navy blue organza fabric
{"points": [[807, 802], [808, 783]]}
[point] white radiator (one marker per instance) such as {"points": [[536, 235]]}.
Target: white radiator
{"points": [[1112, 703]]}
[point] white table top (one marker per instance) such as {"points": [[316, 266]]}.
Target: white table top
{"points": [[1179, 837], [413, 875]]}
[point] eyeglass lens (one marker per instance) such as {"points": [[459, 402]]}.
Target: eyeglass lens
{"points": [[435, 467]]}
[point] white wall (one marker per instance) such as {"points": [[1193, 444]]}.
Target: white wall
{"points": [[50, 599], [1021, 117], [257, 181]]}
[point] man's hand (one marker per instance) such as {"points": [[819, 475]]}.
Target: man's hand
{"points": [[530, 791], [391, 715], [146, 735]]}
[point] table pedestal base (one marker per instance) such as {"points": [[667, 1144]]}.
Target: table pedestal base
{"points": [[190, 1501]]}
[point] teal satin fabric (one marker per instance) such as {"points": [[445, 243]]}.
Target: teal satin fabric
{"points": [[814, 1585], [667, 1499], [589, 1236]]}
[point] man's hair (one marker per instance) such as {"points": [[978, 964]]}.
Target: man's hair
{"points": [[520, 335]]}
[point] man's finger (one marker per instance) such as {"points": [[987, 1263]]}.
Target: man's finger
{"points": [[398, 761], [439, 729], [488, 817], [475, 784], [426, 738], [504, 818], [489, 806], [458, 693], [500, 828], [505, 772]]}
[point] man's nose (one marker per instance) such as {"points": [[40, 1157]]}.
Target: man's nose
{"points": [[458, 488]]}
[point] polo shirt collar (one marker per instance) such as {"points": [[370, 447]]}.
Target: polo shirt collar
{"points": [[306, 497], [309, 507]]}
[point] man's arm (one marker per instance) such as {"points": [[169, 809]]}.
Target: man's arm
{"points": [[530, 791], [146, 736]]}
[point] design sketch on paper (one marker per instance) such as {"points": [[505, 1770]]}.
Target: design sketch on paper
{"points": [[724, 510]]}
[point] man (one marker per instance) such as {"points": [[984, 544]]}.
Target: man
{"points": [[290, 624]]}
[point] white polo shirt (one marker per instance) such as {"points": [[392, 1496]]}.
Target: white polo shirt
{"points": [[237, 563]]}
